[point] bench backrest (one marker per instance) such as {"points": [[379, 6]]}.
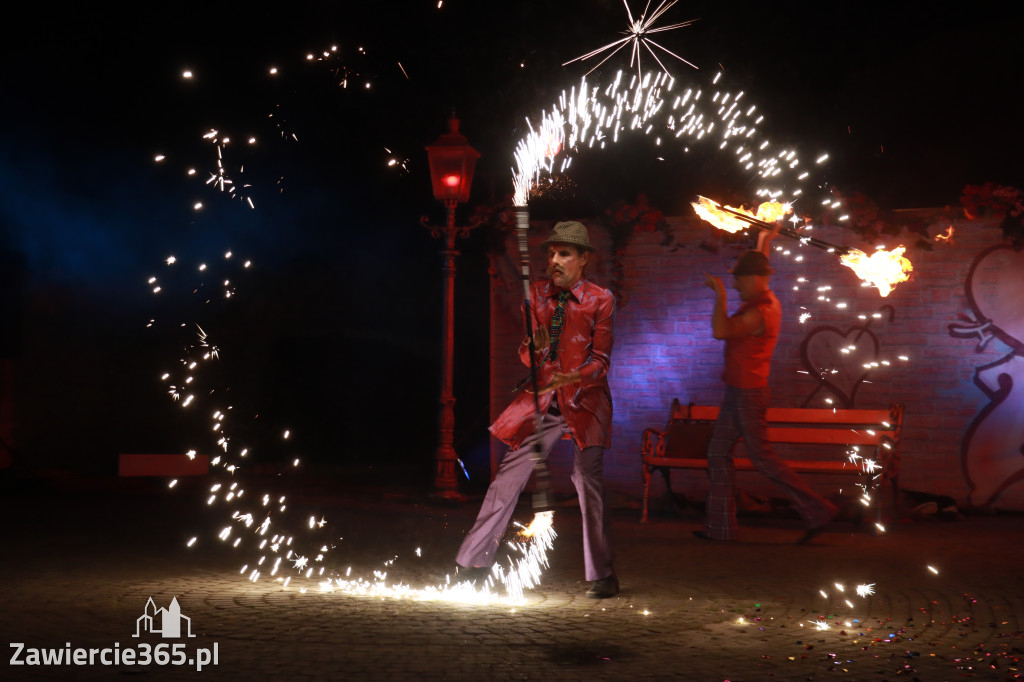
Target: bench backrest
{"points": [[805, 425]]}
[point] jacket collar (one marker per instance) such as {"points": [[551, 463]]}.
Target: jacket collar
{"points": [[578, 290]]}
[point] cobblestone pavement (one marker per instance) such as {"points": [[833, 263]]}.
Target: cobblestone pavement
{"points": [[79, 565]]}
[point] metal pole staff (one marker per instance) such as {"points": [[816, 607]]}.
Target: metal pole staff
{"points": [[785, 231], [542, 494]]}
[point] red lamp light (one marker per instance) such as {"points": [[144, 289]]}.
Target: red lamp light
{"points": [[451, 165]]}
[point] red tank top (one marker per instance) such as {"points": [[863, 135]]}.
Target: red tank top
{"points": [[748, 359]]}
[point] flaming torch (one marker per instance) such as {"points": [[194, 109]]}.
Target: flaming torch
{"points": [[883, 269]]}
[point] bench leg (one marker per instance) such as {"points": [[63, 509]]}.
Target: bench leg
{"points": [[894, 482], [647, 492], [885, 503], [666, 474], [887, 495]]}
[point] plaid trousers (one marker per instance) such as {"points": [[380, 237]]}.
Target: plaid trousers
{"points": [[743, 415]]}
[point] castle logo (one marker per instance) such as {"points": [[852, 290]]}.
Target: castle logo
{"points": [[167, 622]]}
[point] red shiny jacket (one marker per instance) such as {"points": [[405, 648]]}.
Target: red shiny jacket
{"points": [[585, 345]]}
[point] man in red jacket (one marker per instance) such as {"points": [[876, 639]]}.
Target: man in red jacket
{"points": [[750, 335], [573, 345]]}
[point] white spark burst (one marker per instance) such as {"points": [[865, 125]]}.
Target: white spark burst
{"points": [[637, 36]]}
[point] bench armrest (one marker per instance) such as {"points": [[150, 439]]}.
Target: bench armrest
{"points": [[652, 442]]}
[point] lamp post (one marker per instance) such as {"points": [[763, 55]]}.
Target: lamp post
{"points": [[451, 173]]}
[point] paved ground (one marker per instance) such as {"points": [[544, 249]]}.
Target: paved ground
{"points": [[79, 563]]}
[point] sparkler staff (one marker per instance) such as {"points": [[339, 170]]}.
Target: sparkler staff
{"points": [[570, 348], [542, 497], [750, 336]]}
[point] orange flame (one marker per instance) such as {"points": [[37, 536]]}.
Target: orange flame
{"points": [[884, 269], [773, 211], [711, 211], [946, 236]]}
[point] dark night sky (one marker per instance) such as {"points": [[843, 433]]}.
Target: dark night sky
{"points": [[913, 102]]}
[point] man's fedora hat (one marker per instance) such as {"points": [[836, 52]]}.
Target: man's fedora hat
{"points": [[569, 232]]}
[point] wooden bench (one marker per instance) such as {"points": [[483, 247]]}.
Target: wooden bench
{"points": [[875, 434]]}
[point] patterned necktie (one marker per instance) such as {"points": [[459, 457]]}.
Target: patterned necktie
{"points": [[557, 322]]}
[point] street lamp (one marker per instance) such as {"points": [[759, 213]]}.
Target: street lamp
{"points": [[451, 173]]}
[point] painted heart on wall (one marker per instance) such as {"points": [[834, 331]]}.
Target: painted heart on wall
{"points": [[839, 359]]}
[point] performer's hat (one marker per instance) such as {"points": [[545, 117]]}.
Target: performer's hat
{"points": [[569, 232], [751, 263]]}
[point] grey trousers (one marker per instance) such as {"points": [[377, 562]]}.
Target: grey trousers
{"points": [[483, 542]]}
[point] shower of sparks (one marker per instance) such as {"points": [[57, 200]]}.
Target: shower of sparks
{"points": [[397, 162], [343, 72], [277, 543], [525, 563], [637, 36], [225, 173], [219, 178], [273, 535], [592, 116]]}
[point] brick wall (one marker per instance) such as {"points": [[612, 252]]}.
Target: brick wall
{"points": [[664, 349]]}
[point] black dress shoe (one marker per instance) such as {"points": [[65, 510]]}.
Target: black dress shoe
{"points": [[473, 574], [604, 588]]}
